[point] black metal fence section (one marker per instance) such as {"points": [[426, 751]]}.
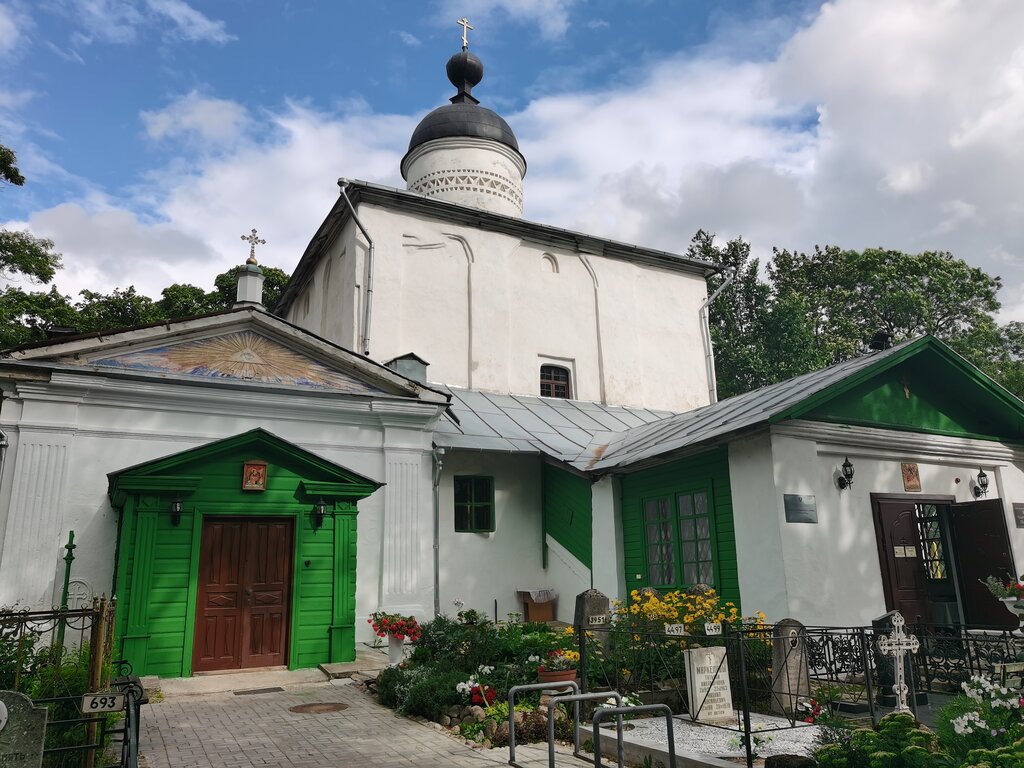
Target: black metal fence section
{"points": [[55, 657], [951, 655]]}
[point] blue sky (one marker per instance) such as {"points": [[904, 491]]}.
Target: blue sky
{"points": [[154, 132]]}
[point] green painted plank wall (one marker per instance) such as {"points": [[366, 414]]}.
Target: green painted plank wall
{"points": [[568, 512], [164, 647], [707, 471]]}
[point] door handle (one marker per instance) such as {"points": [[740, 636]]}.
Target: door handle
{"points": [[248, 594]]}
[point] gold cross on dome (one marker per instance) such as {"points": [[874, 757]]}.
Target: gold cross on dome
{"points": [[466, 26], [253, 241]]}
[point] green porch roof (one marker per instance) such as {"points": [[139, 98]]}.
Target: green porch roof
{"points": [[164, 474]]}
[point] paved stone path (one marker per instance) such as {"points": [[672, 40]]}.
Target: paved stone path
{"points": [[255, 730]]}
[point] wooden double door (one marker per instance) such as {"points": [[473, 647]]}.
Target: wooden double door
{"points": [[935, 555], [244, 597]]}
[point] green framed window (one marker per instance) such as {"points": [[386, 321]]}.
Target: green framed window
{"points": [[679, 540], [474, 504]]}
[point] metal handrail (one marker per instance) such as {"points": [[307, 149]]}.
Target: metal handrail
{"points": [[512, 708], [554, 701], [604, 712]]}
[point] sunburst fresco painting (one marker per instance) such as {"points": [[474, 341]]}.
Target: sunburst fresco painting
{"points": [[244, 355]]}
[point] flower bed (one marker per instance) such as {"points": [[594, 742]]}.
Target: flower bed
{"points": [[460, 671]]}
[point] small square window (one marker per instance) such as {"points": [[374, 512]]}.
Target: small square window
{"points": [[474, 504], [555, 381]]}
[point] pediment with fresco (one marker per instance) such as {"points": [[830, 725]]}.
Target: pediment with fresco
{"points": [[241, 356]]}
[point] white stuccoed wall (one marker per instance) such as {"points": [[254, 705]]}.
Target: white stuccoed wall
{"points": [[485, 309], [831, 570], [471, 171], [480, 568], [67, 436], [567, 576], [758, 534], [606, 536]]}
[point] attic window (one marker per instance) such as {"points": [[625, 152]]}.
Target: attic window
{"points": [[555, 381]]}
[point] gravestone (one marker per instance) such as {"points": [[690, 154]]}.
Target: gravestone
{"points": [[707, 684], [593, 612], [885, 667], [791, 679], [592, 609], [22, 728]]}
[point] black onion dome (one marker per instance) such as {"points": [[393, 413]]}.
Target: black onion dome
{"points": [[464, 116], [463, 120], [464, 70]]}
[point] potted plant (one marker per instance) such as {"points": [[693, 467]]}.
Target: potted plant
{"points": [[397, 629], [559, 666], [1010, 592]]}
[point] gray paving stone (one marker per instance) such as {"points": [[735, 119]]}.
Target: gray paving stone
{"points": [[258, 731]]}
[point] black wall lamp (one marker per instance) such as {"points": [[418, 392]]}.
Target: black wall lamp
{"points": [[177, 507], [981, 485], [845, 480], [318, 513]]}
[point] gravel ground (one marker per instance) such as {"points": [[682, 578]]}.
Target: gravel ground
{"points": [[702, 739]]}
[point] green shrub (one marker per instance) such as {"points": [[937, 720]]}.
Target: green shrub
{"points": [[431, 691], [392, 686], [896, 742]]}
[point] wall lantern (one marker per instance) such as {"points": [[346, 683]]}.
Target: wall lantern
{"points": [[846, 479], [318, 513], [177, 507], [981, 486]]}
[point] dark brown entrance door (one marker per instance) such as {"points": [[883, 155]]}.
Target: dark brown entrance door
{"points": [[245, 575], [899, 549], [978, 529]]}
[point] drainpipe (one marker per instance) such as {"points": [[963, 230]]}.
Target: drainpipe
{"points": [[3, 452], [368, 303], [705, 332], [438, 463]]}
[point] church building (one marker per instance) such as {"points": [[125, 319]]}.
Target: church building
{"points": [[451, 403]]}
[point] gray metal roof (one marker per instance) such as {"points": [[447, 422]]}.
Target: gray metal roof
{"points": [[595, 437], [726, 417], [524, 424]]}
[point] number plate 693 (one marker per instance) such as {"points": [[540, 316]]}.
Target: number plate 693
{"points": [[102, 702]]}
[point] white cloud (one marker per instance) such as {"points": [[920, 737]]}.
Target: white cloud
{"points": [[408, 38], [10, 34], [213, 121], [104, 21], [863, 130], [550, 16], [15, 99], [120, 21], [283, 186], [190, 24]]}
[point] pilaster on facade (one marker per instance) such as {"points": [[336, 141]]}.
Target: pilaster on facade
{"points": [[29, 549]]}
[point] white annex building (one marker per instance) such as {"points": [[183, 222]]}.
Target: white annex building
{"points": [[453, 403]]}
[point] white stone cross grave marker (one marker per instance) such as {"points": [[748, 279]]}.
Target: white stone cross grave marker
{"points": [[896, 645]]}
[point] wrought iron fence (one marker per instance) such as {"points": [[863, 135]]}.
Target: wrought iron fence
{"points": [[951, 655], [55, 657], [840, 668]]}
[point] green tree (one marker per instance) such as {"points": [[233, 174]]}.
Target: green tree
{"points": [[24, 316], [820, 308], [118, 309], [21, 253]]}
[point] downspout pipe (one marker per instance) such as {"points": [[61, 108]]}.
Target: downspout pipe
{"points": [[4, 442], [438, 464], [343, 185], [705, 332]]}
